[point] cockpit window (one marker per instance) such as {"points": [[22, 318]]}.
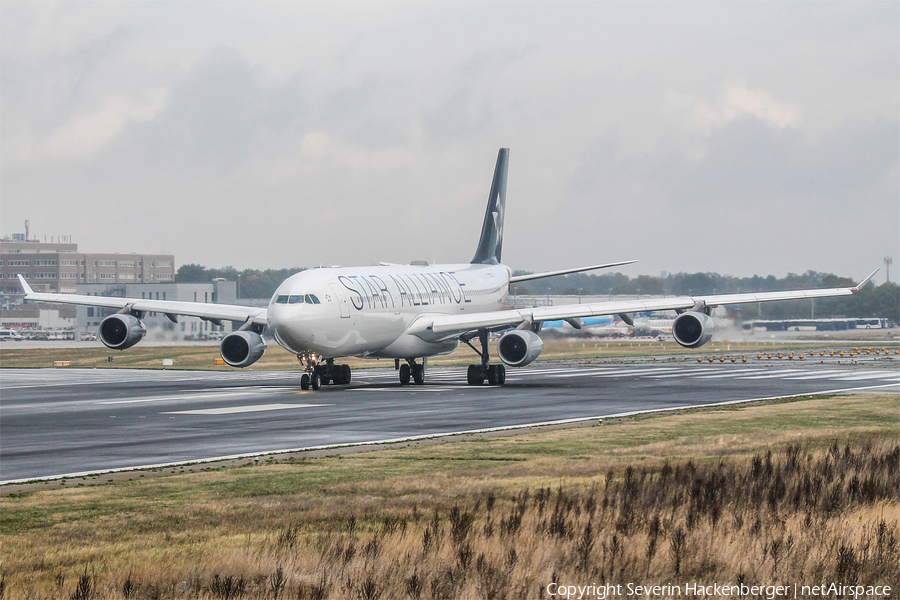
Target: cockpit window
{"points": [[295, 300], [311, 299], [281, 300]]}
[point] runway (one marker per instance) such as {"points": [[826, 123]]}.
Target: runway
{"points": [[67, 422]]}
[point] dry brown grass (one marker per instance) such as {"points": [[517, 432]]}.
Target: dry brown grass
{"points": [[753, 494]]}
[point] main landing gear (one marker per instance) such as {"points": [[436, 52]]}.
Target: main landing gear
{"points": [[477, 374], [318, 374], [410, 369]]}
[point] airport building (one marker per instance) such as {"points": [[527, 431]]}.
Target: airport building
{"points": [[58, 267]]}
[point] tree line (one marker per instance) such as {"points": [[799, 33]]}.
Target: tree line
{"points": [[252, 283], [881, 301]]}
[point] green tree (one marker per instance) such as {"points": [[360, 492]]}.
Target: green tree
{"points": [[191, 273]]}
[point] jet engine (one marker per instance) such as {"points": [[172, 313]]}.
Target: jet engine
{"points": [[242, 348], [121, 331], [519, 347], [693, 329]]}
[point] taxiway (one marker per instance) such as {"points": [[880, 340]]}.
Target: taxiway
{"points": [[65, 422]]}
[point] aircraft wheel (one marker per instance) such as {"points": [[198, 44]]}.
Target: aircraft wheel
{"points": [[404, 374], [501, 374], [474, 375], [345, 374], [492, 375], [315, 381], [304, 381], [418, 373]]}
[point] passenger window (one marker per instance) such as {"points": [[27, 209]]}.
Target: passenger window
{"points": [[281, 300], [295, 300], [314, 299]]}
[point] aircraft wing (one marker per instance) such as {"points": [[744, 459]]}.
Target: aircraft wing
{"points": [[436, 327], [220, 312], [532, 276]]}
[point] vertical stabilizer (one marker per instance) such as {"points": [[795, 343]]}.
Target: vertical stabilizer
{"points": [[491, 241]]}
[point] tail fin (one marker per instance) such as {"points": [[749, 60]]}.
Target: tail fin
{"points": [[491, 241]]}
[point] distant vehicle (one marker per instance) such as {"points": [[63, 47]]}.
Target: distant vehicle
{"points": [[871, 323], [10, 336]]}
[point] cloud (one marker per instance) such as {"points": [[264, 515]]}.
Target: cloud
{"points": [[736, 102], [88, 133], [659, 129]]}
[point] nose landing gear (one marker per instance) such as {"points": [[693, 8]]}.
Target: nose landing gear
{"points": [[318, 373]]}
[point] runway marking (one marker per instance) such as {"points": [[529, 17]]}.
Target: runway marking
{"points": [[746, 373], [831, 375], [231, 410], [410, 388], [783, 373], [638, 372], [235, 392], [868, 376]]}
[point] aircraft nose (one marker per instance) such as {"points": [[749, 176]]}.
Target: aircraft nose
{"points": [[284, 327]]}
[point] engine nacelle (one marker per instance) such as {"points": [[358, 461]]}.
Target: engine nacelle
{"points": [[519, 347], [693, 329], [121, 331], [242, 348]]}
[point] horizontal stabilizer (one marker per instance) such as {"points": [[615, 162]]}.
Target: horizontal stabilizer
{"points": [[518, 278]]}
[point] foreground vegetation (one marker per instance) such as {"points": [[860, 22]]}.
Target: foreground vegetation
{"points": [[803, 491]]}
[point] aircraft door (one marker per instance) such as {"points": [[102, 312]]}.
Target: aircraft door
{"points": [[341, 300]]}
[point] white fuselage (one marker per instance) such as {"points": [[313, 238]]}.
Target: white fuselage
{"points": [[365, 311]]}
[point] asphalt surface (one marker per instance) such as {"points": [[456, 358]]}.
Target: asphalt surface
{"points": [[57, 422]]}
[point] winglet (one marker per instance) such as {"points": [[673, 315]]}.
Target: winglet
{"points": [[863, 283], [29, 291]]}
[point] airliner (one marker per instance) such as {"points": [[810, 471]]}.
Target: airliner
{"points": [[409, 312]]}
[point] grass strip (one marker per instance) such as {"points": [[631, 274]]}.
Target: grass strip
{"points": [[705, 494]]}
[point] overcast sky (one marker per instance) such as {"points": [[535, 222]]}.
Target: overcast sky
{"points": [[737, 137]]}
